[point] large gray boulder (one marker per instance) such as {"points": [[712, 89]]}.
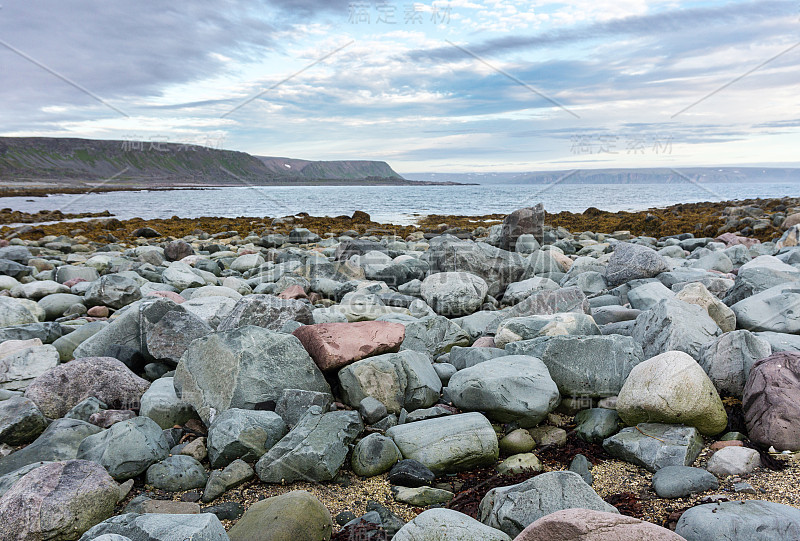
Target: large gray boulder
{"points": [[566, 299], [496, 266], [55, 305], [68, 498], [126, 449], [514, 388], [448, 444], [160, 527], [454, 294], [23, 366], [654, 446], [739, 520], [633, 261], [681, 481], [528, 327], [168, 339], [774, 309], [177, 473], [512, 508], [647, 295], [314, 450], [594, 366], [161, 404], [673, 325], [524, 221], [259, 364], [519, 291], [728, 359], [398, 380], [462, 357], [433, 335], [60, 388], [59, 441], [21, 421], [447, 524], [671, 388], [245, 434], [760, 274], [112, 290], [267, 311]]}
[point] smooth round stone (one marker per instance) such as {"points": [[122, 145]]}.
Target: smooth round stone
{"points": [[517, 441], [177, 473], [374, 455], [519, 463], [680, 481], [596, 424]]}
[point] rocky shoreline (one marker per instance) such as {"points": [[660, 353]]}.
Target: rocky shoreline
{"points": [[569, 376]]}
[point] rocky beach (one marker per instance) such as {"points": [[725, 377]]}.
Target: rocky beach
{"points": [[530, 376]]}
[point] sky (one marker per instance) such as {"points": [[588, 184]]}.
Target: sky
{"points": [[433, 86]]}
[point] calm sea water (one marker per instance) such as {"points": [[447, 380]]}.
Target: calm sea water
{"points": [[393, 204]]}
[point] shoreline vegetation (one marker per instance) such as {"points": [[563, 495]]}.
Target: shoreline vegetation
{"points": [[708, 219]]}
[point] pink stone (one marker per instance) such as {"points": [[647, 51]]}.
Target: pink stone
{"points": [[484, 342], [293, 292], [97, 311], [70, 283], [168, 295], [732, 239], [717, 445], [588, 525], [334, 345]]}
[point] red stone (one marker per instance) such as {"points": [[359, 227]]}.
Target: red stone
{"points": [[314, 297], [334, 345], [771, 401], [484, 342], [588, 525], [717, 445], [293, 292], [171, 295], [97, 311], [70, 283], [732, 239]]}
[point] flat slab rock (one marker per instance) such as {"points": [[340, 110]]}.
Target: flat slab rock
{"points": [[334, 345], [654, 446]]}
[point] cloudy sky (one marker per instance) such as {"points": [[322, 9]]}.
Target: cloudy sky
{"points": [[432, 86]]}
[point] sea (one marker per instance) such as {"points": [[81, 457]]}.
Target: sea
{"points": [[401, 205]]}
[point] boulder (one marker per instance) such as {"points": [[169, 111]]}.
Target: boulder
{"points": [[461, 357], [398, 380], [673, 325], [60, 388], [513, 508], [528, 327], [374, 455], [564, 300], [177, 250], [588, 525], [433, 335], [55, 305], [514, 388], [126, 449], [696, 293], [770, 401], [159, 527], [596, 424], [519, 291], [244, 434], [233, 475], [671, 388], [448, 444], [21, 421], [733, 460], [584, 366], [454, 294], [314, 450], [168, 339], [294, 516], [294, 403], [335, 345], [177, 473], [731, 521], [67, 344], [59, 441], [633, 261], [774, 309], [161, 404], [23, 366], [266, 311], [645, 296], [729, 358], [411, 473], [181, 276], [435, 524], [59, 500], [112, 290], [654, 446], [245, 355], [524, 221], [681, 481]]}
